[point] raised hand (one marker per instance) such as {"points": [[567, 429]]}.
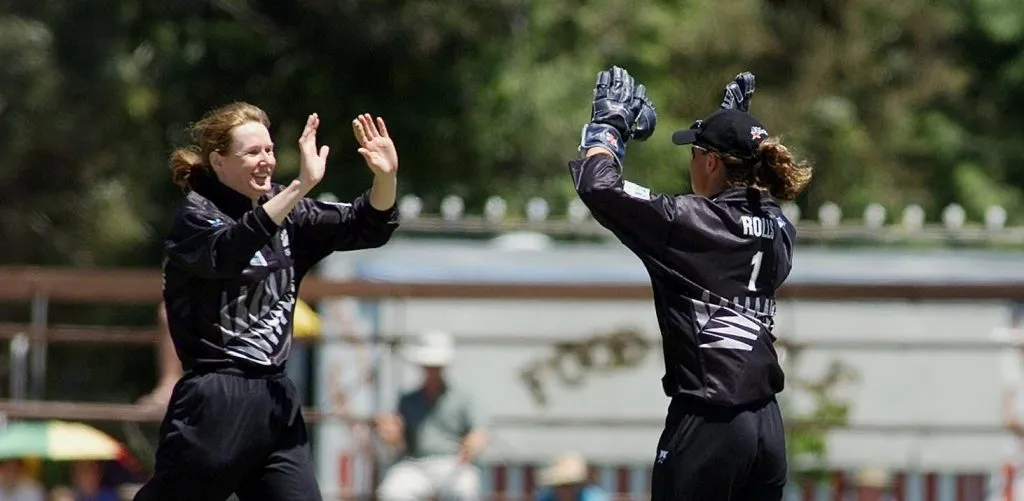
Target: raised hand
{"points": [[646, 118], [613, 100], [375, 145], [613, 117], [312, 164], [739, 92]]}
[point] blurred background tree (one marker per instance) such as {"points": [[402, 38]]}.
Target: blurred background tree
{"points": [[896, 103]]}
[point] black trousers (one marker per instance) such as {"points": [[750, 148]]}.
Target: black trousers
{"points": [[711, 453], [226, 433]]}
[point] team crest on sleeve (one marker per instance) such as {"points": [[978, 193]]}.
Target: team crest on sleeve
{"points": [[758, 133], [636, 191], [608, 136]]}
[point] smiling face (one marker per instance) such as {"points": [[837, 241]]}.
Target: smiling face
{"points": [[247, 165]]}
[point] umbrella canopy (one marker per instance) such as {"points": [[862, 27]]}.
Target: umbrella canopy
{"points": [[59, 440], [307, 323]]}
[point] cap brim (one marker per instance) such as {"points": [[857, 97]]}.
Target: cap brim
{"points": [[683, 137]]}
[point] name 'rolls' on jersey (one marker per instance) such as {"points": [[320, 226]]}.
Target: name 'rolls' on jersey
{"points": [[715, 264]]}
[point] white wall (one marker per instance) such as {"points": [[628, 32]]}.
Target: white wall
{"points": [[894, 386], [902, 387]]}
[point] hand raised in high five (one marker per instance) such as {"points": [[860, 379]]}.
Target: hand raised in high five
{"points": [[739, 92], [312, 164], [375, 145]]}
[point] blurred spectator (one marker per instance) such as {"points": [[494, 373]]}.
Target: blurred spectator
{"points": [[568, 479], [16, 484], [62, 493], [87, 482], [436, 434], [872, 484], [168, 365]]}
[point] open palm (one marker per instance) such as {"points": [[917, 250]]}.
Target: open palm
{"points": [[375, 144], [312, 163]]}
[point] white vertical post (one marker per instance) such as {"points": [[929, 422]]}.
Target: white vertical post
{"points": [[345, 375], [19, 366], [40, 305]]}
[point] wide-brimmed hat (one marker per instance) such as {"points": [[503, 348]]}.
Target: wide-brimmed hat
{"points": [[432, 348], [568, 468]]}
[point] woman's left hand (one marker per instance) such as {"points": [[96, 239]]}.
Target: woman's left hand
{"points": [[375, 145]]}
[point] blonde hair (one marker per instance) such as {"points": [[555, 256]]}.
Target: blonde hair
{"points": [[775, 169], [212, 133]]}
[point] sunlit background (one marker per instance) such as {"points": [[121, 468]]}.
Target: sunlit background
{"points": [[897, 326]]}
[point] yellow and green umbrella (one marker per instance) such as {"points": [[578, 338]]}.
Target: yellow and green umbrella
{"points": [[60, 441], [307, 322]]}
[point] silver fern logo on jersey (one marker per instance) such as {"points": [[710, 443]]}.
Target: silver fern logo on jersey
{"points": [[720, 327]]}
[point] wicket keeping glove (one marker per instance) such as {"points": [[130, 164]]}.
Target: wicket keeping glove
{"points": [[646, 118], [613, 113], [739, 92]]}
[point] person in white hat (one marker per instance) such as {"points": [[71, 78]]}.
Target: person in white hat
{"points": [[568, 479], [871, 483], [436, 434]]}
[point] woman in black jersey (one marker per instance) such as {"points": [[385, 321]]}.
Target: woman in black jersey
{"points": [[715, 258], [236, 253]]}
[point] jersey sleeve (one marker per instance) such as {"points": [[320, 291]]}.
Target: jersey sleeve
{"points": [[639, 218], [207, 244], [325, 227]]}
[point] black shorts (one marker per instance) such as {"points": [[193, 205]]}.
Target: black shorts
{"points": [[715, 454], [225, 433]]}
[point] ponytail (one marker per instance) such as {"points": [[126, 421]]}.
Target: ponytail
{"points": [[779, 172], [184, 162]]}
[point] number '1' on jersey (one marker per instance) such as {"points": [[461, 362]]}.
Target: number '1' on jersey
{"points": [[715, 264]]}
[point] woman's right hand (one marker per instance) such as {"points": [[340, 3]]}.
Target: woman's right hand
{"points": [[312, 164]]}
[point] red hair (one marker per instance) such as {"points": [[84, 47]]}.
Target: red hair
{"points": [[212, 133]]}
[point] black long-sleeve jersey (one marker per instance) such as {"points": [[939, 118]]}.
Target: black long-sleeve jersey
{"points": [[715, 264], [231, 275]]}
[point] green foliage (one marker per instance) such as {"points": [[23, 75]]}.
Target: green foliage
{"points": [[823, 409], [895, 103]]}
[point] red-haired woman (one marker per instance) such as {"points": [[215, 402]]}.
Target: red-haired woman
{"points": [[235, 255]]}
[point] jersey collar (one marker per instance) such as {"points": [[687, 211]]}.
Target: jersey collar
{"points": [[744, 194], [229, 201]]}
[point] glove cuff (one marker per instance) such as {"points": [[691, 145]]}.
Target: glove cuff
{"points": [[606, 136]]}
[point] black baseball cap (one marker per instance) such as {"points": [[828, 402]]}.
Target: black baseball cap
{"points": [[727, 131]]}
